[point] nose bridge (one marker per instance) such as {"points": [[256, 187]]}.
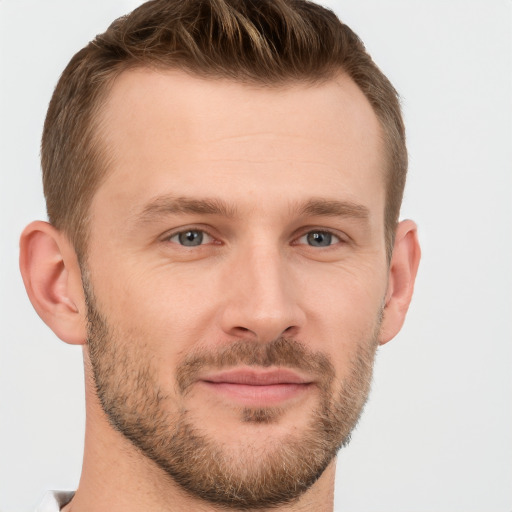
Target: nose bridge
{"points": [[262, 303]]}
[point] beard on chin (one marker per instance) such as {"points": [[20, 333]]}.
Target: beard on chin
{"points": [[247, 477]]}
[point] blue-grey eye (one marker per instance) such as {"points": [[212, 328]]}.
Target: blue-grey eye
{"points": [[190, 238], [319, 239]]}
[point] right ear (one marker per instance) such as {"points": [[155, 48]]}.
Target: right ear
{"points": [[52, 278]]}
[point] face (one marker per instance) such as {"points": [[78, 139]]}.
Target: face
{"points": [[235, 278]]}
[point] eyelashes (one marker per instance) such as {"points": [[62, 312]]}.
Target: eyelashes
{"points": [[191, 238], [196, 237], [319, 238]]}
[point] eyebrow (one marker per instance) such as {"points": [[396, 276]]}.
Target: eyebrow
{"points": [[334, 208], [171, 205]]}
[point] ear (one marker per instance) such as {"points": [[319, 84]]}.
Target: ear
{"points": [[52, 278], [402, 274]]}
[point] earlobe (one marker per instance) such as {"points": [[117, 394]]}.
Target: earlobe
{"points": [[52, 279], [402, 275]]}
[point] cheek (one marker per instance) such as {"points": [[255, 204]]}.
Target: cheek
{"points": [[153, 306], [348, 292], [344, 313], [154, 323]]}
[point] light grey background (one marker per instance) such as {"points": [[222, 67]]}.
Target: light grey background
{"points": [[437, 432]]}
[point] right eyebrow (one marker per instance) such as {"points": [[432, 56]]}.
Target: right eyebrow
{"points": [[170, 205]]}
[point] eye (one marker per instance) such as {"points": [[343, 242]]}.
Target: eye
{"points": [[191, 238], [319, 239]]}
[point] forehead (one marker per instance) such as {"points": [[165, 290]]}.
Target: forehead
{"points": [[168, 130]]}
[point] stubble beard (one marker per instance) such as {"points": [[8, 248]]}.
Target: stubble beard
{"points": [[248, 477]]}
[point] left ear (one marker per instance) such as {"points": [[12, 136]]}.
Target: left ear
{"points": [[402, 274]]}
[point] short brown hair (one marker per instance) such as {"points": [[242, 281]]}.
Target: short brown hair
{"points": [[266, 42]]}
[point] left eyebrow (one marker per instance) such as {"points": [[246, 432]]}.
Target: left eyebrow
{"points": [[334, 208]]}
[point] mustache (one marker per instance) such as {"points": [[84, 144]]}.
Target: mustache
{"points": [[282, 352]]}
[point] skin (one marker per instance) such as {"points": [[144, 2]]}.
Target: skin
{"points": [[265, 154]]}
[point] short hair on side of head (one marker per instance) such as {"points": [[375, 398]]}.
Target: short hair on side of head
{"points": [[262, 42]]}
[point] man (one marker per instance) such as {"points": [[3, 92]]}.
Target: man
{"points": [[223, 181]]}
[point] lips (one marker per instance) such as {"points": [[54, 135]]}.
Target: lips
{"points": [[252, 387]]}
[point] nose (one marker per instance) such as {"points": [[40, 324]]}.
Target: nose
{"points": [[262, 301]]}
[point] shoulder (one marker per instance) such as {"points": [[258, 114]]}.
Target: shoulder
{"points": [[53, 501]]}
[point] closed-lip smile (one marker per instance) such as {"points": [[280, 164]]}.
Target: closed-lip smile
{"points": [[257, 387]]}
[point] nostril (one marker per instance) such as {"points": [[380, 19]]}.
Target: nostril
{"points": [[242, 329]]}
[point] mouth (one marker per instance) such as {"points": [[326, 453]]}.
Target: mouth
{"points": [[251, 387]]}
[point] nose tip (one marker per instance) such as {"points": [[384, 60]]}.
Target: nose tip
{"points": [[262, 328], [261, 304]]}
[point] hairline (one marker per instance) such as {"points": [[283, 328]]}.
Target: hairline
{"points": [[103, 157]]}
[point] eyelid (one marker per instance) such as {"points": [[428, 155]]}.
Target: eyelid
{"points": [[342, 237], [183, 229], [207, 239], [207, 231]]}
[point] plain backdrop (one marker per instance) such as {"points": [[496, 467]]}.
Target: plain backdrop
{"points": [[436, 435]]}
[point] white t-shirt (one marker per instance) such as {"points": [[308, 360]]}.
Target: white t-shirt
{"points": [[53, 501]]}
